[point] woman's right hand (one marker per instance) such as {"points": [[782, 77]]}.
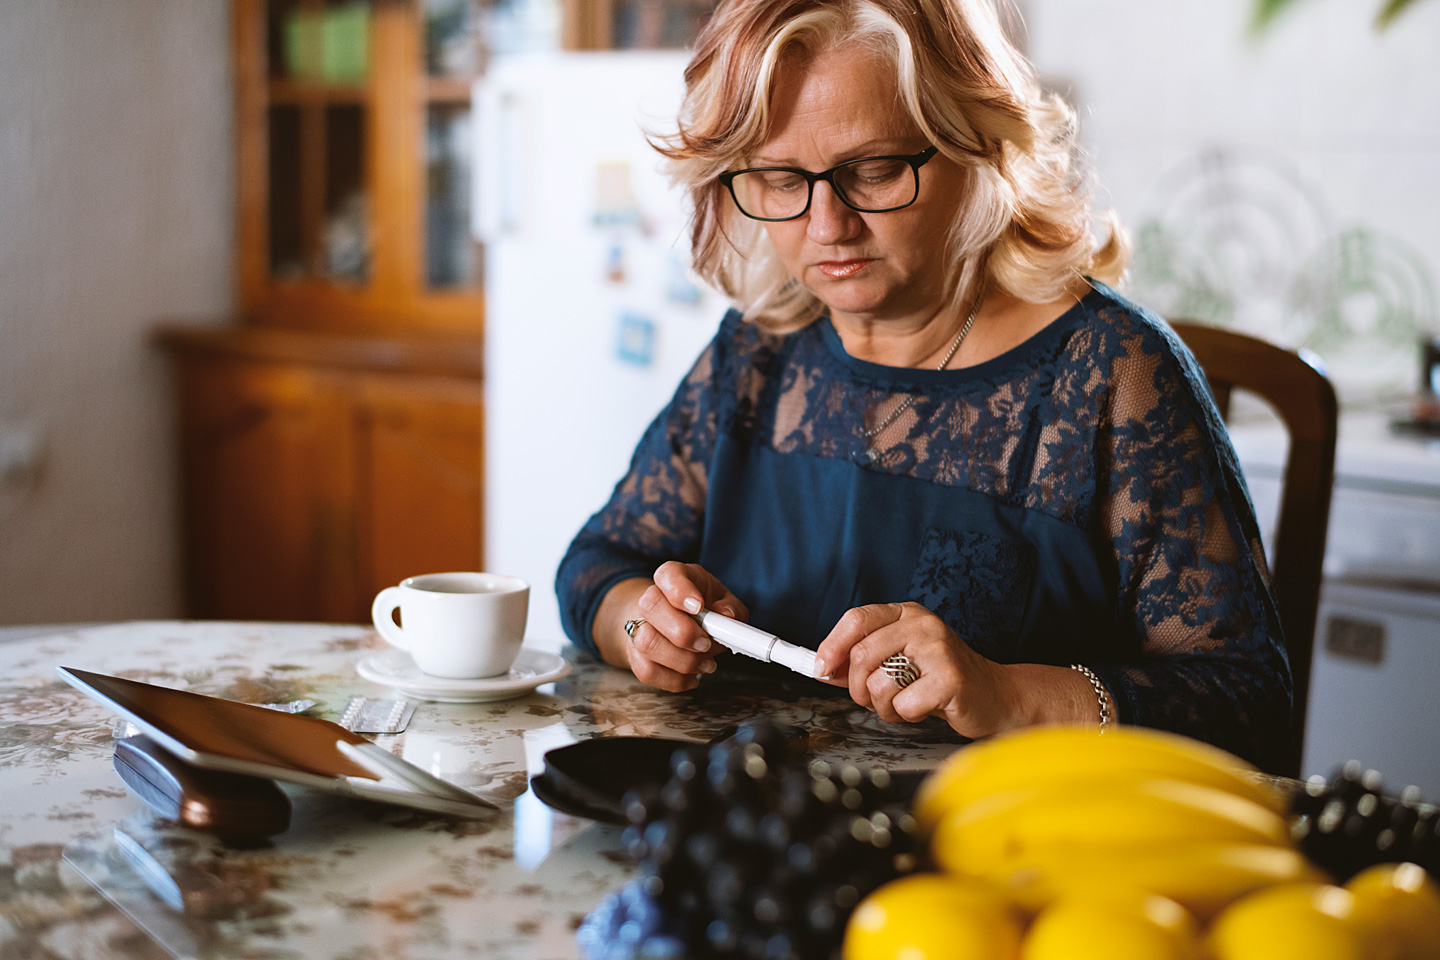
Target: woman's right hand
{"points": [[669, 649]]}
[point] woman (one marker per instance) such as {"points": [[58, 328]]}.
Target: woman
{"points": [[931, 430]]}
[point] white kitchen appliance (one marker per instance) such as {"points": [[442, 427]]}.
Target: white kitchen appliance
{"points": [[592, 315], [1375, 682]]}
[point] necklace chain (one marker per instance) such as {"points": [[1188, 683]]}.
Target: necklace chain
{"points": [[909, 400]]}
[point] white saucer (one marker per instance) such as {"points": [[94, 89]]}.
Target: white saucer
{"points": [[396, 668]]}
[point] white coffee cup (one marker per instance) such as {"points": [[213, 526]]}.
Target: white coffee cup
{"points": [[456, 625]]}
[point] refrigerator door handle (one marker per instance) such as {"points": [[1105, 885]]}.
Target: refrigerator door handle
{"points": [[500, 168]]}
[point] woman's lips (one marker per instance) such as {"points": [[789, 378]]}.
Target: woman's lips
{"points": [[841, 269]]}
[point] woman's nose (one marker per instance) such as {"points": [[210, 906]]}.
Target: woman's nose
{"points": [[830, 220]]}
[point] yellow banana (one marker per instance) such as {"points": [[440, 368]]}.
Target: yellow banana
{"points": [[1051, 756], [1100, 815], [1203, 877]]}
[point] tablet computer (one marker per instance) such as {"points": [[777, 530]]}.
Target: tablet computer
{"points": [[218, 734]]}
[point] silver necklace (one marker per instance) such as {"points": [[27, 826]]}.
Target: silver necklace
{"points": [[905, 405]]}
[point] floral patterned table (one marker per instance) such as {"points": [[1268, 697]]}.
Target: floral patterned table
{"points": [[347, 880]]}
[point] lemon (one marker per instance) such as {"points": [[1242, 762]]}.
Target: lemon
{"points": [[1135, 926], [1398, 906], [1291, 921], [929, 916]]}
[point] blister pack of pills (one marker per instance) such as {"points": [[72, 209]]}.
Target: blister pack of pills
{"points": [[363, 715]]}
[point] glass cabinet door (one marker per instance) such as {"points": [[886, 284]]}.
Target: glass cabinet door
{"points": [[657, 24], [354, 137], [452, 61], [634, 24], [317, 120]]}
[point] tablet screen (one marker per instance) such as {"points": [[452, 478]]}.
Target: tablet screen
{"points": [[229, 730]]}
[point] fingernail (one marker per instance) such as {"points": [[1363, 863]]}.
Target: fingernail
{"points": [[702, 645], [821, 670], [727, 610], [708, 666], [692, 605]]}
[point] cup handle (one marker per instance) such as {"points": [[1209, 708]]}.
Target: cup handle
{"points": [[382, 611]]}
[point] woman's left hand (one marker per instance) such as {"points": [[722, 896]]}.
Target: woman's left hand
{"points": [[972, 693]]}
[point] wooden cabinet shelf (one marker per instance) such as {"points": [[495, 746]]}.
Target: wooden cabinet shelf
{"points": [[434, 356], [447, 90], [303, 92], [436, 90]]}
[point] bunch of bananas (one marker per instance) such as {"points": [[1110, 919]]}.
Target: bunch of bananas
{"points": [[1138, 844]]}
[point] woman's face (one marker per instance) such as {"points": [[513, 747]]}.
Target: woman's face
{"points": [[868, 267]]}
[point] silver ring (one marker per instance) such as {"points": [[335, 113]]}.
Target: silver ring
{"points": [[631, 626], [901, 670]]}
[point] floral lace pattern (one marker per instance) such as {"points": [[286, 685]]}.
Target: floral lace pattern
{"points": [[1101, 424], [992, 574]]}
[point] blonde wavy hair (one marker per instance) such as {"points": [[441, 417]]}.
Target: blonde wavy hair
{"points": [[1026, 224]]}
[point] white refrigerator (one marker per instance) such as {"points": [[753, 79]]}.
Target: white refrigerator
{"points": [[592, 314]]}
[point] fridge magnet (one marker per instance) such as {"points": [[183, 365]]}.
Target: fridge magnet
{"points": [[636, 341], [615, 264], [615, 204], [680, 288]]}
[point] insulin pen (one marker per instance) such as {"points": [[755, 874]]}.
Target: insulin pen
{"points": [[743, 638]]}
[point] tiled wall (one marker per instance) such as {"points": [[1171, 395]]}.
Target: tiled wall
{"points": [[1288, 184]]}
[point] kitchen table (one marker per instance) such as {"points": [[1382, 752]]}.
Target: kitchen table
{"points": [[348, 879]]}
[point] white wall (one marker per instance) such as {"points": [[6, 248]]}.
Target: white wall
{"points": [[1320, 126], [116, 197]]}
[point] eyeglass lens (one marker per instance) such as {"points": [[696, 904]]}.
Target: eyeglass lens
{"points": [[869, 185]]}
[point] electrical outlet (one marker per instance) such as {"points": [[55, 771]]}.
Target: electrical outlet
{"points": [[19, 452]]}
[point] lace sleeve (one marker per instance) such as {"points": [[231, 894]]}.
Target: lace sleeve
{"points": [[1190, 567], [656, 510]]}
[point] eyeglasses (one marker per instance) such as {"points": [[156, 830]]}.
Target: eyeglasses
{"points": [[869, 185]]}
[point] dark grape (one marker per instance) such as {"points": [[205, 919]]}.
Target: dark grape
{"points": [[1349, 822], [801, 857], [741, 825], [775, 832], [752, 945], [751, 850], [685, 765], [703, 849], [821, 914], [629, 924], [768, 909], [632, 838], [722, 936], [779, 947], [678, 799], [725, 885]]}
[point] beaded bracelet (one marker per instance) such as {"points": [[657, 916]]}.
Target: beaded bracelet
{"points": [[1099, 693]]}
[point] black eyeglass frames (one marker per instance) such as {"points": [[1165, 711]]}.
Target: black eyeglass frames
{"points": [[868, 184]]}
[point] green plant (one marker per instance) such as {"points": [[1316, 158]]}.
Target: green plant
{"points": [[1266, 12]]}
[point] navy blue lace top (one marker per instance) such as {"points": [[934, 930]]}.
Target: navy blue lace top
{"points": [[1075, 499]]}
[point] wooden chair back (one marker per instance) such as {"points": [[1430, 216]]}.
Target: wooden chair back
{"points": [[1294, 384]]}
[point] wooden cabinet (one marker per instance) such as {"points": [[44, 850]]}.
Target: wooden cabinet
{"points": [[418, 446], [315, 476], [331, 439]]}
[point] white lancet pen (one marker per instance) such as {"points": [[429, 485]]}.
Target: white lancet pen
{"points": [[754, 642]]}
